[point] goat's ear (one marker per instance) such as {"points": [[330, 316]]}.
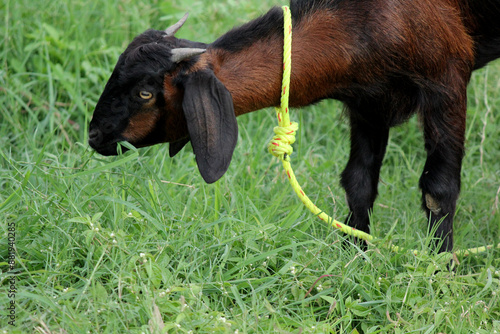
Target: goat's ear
{"points": [[209, 111]]}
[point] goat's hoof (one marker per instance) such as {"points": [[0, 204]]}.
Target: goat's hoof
{"points": [[432, 204]]}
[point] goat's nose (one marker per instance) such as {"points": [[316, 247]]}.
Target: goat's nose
{"points": [[95, 137]]}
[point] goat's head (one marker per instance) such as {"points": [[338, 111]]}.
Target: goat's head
{"points": [[156, 95]]}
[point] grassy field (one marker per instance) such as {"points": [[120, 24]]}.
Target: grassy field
{"points": [[136, 243]]}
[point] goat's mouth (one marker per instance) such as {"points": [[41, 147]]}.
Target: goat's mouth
{"points": [[107, 149], [114, 147], [103, 143]]}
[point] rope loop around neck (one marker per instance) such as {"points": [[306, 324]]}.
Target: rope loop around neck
{"points": [[281, 144]]}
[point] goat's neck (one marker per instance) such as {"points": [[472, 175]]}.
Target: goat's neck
{"points": [[253, 74]]}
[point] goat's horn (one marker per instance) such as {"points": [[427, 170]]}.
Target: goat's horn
{"points": [[181, 54], [170, 31]]}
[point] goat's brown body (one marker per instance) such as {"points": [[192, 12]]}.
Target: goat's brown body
{"points": [[384, 59], [330, 52], [385, 63]]}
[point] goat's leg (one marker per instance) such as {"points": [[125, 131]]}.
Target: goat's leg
{"points": [[444, 131], [361, 175]]}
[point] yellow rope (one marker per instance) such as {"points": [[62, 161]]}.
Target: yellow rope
{"points": [[281, 144]]}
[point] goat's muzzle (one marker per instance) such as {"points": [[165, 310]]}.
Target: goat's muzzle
{"points": [[100, 139]]}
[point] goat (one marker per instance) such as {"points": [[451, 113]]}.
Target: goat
{"points": [[384, 59]]}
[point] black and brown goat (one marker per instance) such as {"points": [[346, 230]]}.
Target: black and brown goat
{"points": [[384, 59]]}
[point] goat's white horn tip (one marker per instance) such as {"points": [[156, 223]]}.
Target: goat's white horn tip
{"points": [[170, 31]]}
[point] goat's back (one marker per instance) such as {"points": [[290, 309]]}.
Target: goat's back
{"points": [[480, 17]]}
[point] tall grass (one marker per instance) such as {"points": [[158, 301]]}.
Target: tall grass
{"points": [[135, 243]]}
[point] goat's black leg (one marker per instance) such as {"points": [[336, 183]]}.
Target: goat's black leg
{"points": [[444, 131], [361, 175]]}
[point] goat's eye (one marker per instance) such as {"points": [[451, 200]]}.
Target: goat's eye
{"points": [[145, 95]]}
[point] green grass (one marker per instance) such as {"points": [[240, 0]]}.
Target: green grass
{"points": [[103, 242]]}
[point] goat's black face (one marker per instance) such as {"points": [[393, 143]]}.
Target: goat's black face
{"points": [[133, 105], [156, 95]]}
